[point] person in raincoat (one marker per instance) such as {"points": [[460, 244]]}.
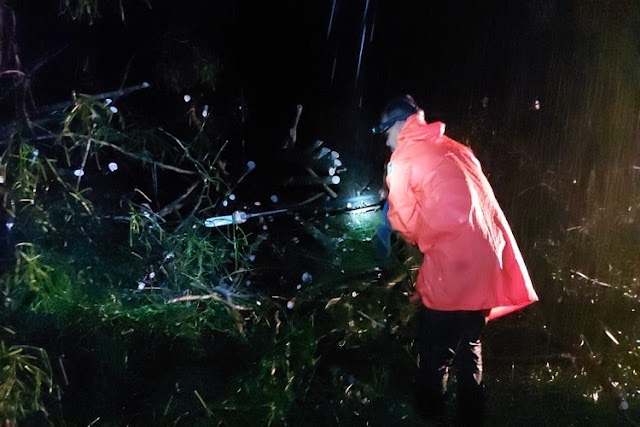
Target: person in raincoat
{"points": [[472, 271]]}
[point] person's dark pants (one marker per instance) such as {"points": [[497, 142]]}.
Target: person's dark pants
{"points": [[450, 338]]}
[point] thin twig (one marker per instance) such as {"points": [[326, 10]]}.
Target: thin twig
{"points": [[214, 297], [311, 199], [177, 204], [325, 186], [293, 132], [158, 164], [585, 277]]}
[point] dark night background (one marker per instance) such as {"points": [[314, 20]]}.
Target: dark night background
{"points": [[448, 54]]}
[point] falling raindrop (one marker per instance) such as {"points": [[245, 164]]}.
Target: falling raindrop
{"points": [[335, 179], [364, 31], [290, 305], [113, 166], [333, 67], [274, 198], [232, 196], [333, 11], [251, 165], [306, 277], [78, 172], [205, 111], [225, 203], [9, 225], [252, 258], [373, 24], [187, 98], [113, 109]]}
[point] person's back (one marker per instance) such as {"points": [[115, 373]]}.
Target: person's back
{"points": [[440, 200]]}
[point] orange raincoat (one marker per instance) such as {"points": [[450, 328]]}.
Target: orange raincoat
{"points": [[440, 200]]}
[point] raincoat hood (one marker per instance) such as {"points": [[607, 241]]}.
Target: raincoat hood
{"points": [[440, 200]]}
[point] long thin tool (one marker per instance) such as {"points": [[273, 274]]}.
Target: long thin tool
{"points": [[219, 221]]}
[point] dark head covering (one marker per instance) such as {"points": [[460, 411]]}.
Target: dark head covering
{"points": [[399, 108]]}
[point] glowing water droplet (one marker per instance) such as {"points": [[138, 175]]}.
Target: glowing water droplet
{"points": [[187, 98], [113, 109], [78, 172], [113, 166]]}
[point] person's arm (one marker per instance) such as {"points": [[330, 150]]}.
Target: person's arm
{"points": [[426, 210], [403, 204]]}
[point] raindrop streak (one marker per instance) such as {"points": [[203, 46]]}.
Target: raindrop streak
{"points": [[333, 11], [373, 24], [333, 68], [364, 31]]}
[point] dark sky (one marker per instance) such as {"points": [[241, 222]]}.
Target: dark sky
{"points": [[444, 52], [448, 54]]}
